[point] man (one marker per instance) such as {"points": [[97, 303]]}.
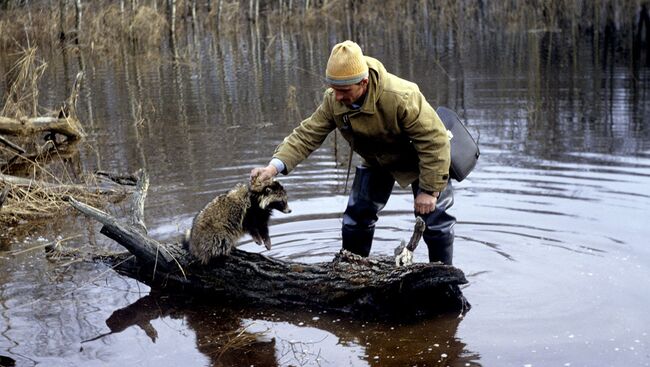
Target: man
{"points": [[388, 122]]}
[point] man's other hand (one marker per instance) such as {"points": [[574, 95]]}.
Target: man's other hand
{"points": [[425, 203]]}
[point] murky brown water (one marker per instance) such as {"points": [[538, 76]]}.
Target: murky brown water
{"points": [[552, 233]]}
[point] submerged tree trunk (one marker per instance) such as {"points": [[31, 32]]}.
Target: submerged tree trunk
{"points": [[349, 283], [171, 6], [62, 29], [77, 20]]}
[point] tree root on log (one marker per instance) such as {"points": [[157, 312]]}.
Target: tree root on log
{"points": [[350, 283]]}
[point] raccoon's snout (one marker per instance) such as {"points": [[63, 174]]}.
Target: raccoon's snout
{"points": [[283, 207]]}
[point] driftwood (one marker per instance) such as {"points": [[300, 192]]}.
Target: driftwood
{"points": [[119, 178], [348, 283], [31, 126]]}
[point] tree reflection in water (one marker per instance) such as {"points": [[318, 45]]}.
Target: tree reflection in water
{"points": [[238, 335]]}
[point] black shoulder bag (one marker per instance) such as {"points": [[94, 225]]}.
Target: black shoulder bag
{"points": [[464, 149]]}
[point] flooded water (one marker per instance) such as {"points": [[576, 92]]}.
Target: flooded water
{"points": [[552, 232]]}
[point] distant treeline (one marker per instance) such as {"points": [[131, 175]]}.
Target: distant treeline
{"points": [[149, 24]]}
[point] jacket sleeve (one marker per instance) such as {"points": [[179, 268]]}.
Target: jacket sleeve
{"points": [[429, 136], [307, 137]]}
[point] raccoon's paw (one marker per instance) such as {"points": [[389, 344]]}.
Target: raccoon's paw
{"points": [[267, 243], [258, 239]]}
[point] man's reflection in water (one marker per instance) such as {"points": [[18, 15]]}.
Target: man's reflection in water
{"points": [[224, 335]]}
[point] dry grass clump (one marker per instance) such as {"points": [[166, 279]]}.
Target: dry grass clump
{"points": [[38, 173], [21, 26], [104, 26], [234, 341], [43, 195], [36, 132], [37, 202], [147, 27], [105, 29], [22, 98], [109, 27]]}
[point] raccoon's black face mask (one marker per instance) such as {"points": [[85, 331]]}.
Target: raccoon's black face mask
{"points": [[273, 196], [280, 206]]}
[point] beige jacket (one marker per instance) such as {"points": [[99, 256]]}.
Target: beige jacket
{"points": [[395, 129]]}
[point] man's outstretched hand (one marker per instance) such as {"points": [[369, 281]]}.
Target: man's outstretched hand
{"points": [[264, 173]]}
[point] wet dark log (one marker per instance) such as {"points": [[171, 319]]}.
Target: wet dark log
{"points": [[349, 283], [119, 178]]}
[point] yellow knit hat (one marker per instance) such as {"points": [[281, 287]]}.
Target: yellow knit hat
{"points": [[346, 65]]}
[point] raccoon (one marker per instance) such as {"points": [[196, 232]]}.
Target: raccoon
{"points": [[244, 209]]}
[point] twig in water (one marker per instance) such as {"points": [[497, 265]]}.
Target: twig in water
{"points": [[52, 245]]}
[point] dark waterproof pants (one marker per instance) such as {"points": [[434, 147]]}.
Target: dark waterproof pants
{"points": [[370, 192]]}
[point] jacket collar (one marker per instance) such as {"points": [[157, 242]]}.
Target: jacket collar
{"points": [[376, 72]]}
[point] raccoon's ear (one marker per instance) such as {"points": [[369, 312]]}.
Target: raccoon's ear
{"points": [[257, 185]]}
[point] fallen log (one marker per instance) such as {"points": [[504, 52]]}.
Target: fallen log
{"points": [[119, 178], [30, 126], [349, 283]]}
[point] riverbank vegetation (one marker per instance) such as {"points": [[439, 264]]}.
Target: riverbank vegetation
{"points": [[239, 32], [39, 164], [147, 25]]}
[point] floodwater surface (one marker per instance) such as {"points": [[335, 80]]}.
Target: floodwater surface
{"points": [[552, 226]]}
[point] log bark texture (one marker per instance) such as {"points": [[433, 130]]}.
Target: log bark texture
{"points": [[349, 283], [30, 126]]}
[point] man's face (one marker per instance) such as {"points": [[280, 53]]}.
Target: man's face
{"points": [[348, 94]]}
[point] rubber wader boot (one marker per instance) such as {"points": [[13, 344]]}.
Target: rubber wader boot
{"points": [[439, 231], [370, 192]]}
